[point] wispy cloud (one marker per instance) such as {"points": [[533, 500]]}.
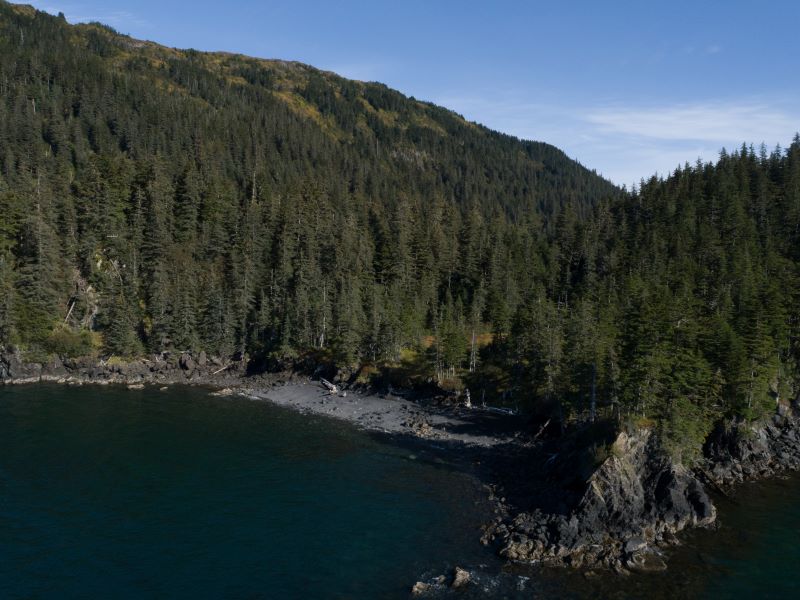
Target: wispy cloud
{"points": [[710, 122], [80, 13]]}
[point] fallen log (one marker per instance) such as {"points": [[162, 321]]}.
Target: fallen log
{"points": [[220, 370], [330, 386]]}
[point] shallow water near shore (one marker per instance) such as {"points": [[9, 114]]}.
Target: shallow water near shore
{"points": [[106, 492]]}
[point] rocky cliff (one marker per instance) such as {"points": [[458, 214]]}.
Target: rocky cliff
{"points": [[739, 451], [637, 500]]}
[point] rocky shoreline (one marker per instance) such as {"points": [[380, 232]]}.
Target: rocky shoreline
{"points": [[165, 369], [554, 504], [636, 501], [632, 504], [390, 413]]}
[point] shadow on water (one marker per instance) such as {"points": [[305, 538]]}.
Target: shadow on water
{"points": [[522, 471]]}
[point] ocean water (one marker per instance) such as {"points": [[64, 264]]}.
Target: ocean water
{"points": [[753, 553], [111, 493]]}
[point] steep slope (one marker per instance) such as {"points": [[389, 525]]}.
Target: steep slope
{"points": [[673, 308], [171, 199]]}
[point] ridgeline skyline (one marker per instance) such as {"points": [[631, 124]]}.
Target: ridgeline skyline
{"points": [[629, 90]]}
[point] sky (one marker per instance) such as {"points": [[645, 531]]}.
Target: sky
{"points": [[629, 88]]}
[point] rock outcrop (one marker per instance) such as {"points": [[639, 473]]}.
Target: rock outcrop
{"points": [[634, 501], [637, 499], [735, 452], [157, 369], [461, 577], [14, 367]]}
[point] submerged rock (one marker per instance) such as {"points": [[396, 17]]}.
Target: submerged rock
{"points": [[223, 392], [635, 544], [646, 562]]}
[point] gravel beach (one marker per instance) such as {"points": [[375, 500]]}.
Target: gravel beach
{"points": [[393, 414]]}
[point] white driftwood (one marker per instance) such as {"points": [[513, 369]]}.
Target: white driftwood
{"points": [[329, 386]]}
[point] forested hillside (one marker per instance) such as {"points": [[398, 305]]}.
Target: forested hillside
{"points": [[157, 200], [178, 200], [677, 306]]}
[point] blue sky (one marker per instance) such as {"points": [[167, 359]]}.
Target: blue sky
{"points": [[628, 88]]}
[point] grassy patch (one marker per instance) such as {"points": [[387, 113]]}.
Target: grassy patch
{"points": [[70, 343]]}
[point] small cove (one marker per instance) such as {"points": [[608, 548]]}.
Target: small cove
{"points": [[106, 491]]}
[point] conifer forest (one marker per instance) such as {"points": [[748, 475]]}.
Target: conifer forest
{"points": [[156, 200]]}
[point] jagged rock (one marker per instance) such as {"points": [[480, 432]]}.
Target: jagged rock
{"points": [[420, 589], [461, 578], [634, 544], [738, 451], [636, 494], [669, 539], [54, 368], [14, 369], [638, 498], [186, 362]]}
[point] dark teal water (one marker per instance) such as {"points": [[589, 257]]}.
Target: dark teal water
{"points": [[106, 492], [114, 493], [755, 553]]}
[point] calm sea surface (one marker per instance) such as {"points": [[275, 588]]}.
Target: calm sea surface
{"points": [[106, 492]]}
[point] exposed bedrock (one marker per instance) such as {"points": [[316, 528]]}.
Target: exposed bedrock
{"points": [[637, 499], [633, 502]]}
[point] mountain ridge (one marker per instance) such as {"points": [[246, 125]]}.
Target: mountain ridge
{"points": [[178, 153], [234, 67]]}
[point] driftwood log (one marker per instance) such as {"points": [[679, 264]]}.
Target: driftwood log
{"points": [[329, 386]]}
